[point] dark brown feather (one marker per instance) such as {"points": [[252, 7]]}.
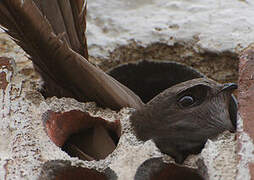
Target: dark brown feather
{"points": [[66, 17], [65, 72]]}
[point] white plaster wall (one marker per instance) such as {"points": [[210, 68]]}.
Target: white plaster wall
{"points": [[215, 25]]}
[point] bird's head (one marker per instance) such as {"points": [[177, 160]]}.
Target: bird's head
{"points": [[183, 117]]}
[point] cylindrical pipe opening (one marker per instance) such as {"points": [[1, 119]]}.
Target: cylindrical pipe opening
{"points": [[155, 168], [62, 170], [81, 135]]}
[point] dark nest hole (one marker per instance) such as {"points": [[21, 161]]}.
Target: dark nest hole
{"points": [[91, 144], [81, 135], [62, 170], [149, 78], [156, 169]]}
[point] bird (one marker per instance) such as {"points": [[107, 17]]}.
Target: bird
{"points": [[181, 119]]}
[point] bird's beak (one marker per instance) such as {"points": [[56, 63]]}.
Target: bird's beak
{"points": [[230, 87]]}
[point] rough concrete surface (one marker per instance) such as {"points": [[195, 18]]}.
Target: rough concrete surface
{"points": [[206, 35], [214, 25]]}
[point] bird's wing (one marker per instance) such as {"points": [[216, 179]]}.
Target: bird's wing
{"points": [[64, 70]]}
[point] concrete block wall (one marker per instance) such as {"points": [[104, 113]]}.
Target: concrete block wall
{"points": [[33, 130], [207, 38]]}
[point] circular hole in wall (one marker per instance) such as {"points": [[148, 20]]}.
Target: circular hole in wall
{"points": [[149, 78], [62, 170], [155, 168], [93, 143], [81, 135]]}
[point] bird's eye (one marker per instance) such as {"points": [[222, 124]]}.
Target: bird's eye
{"points": [[186, 101], [193, 96]]}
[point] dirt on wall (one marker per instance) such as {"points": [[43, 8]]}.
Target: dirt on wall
{"points": [[222, 67]]}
